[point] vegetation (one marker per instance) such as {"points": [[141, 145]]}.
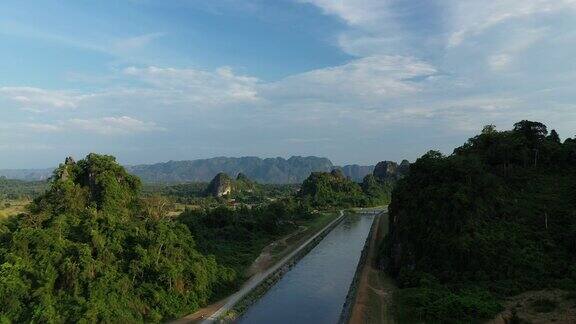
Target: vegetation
{"points": [[19, 189], [92, 248], [245, 191], [495, 218], [89, 251], [236, 236], [325, 190]]}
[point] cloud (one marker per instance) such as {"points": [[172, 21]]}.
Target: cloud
{"points": [[416, 71], [121, 125], [499, 62], [354, 12], [471, 18], [135, 43], [113, 44], [42, 127], [112, 125], [41, 99], [369, 79], [217, 87]]}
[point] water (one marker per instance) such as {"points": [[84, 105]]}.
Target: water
{"points": [[314, 290]]}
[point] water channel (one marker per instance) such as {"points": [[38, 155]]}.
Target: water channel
{"points": [[314, 290]]}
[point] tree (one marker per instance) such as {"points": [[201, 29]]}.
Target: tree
{"points": [[489, 129], [483, 224], [554, 136], [533, 131], [87, 253]]}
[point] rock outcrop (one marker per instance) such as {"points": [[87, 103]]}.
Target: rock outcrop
{"points": [[220, 186], [338, 173], [390, 171], [404, 167], [356, 172]]}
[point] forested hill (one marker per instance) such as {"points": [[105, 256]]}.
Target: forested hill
{"points": [[494, 219], [268, 170]]}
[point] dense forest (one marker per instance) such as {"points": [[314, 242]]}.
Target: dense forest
{"points": [[333, 189], [236, 236], [93, 248], [495, 218]]}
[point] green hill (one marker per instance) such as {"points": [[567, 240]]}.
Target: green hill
{"points": [[88, 251], [495, 218]]}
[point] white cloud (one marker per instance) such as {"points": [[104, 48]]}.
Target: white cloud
{"points": [[42, 127], [217, 87], [354, 12], [499, 62], [112, 125], [470, 18], [420, 67], [135, 43], [41, 99], [103, 126], [367, 79]]}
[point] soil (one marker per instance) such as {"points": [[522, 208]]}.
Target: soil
{"points": [[539, 307], [374, 295]]}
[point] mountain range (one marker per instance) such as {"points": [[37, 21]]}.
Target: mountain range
{"points": [[268, 170]]}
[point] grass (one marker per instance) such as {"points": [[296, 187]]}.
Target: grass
{"points": [[312, 227], [11, 207]]}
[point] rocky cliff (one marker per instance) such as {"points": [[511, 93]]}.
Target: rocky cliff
{"points": [[389, 170], [220, 186]]}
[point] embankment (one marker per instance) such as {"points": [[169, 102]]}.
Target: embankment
{"points": [[353, 290]]}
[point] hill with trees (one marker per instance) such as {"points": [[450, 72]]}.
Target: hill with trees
{"points": [[495, 218], [88, 250], [334, 189]]}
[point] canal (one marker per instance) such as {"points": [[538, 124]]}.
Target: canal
{"points": [[315, 289]]}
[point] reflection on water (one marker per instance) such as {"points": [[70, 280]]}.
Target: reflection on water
{"points": [[314, 291]]}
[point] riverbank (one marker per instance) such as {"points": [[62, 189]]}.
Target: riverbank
{"points": [[372, 303], [273, 256]]}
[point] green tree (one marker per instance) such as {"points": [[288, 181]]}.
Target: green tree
{"points": [[90, 250]]}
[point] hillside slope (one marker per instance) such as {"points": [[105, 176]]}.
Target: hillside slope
{"points": [[494, 219]]}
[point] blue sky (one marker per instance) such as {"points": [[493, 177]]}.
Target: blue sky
{"points": [[357, 81]]}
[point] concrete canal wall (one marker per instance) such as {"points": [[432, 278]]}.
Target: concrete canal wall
{"points": [[353, 290]]}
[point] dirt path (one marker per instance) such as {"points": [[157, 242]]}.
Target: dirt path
{"points": [[375, 288], [266, 257]]}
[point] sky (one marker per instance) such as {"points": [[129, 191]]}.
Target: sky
{"points": [[357, 81]]}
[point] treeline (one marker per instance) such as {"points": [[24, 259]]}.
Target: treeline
{"points": [[18, 189], [196, 193], [237, 236], [495, 218]]}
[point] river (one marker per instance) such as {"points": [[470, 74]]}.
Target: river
{"points": [[315, 289]]}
